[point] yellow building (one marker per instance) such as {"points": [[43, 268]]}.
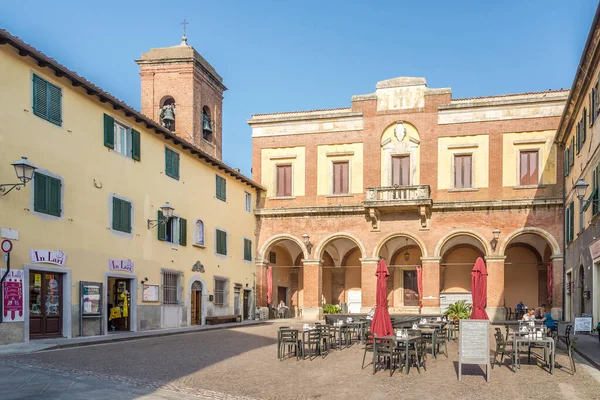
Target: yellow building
{"points": [[87, 231]]}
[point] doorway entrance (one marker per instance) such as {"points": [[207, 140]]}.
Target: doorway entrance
{"points": [[282, 295], [119, 304], [196, 306], [411, 294], [246, 305], [568, 290], [581, 285], [45, 304]]}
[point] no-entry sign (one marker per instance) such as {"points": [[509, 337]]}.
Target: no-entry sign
{"points": [[6, 246]]}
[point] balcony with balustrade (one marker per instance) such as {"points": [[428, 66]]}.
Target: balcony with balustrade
{"points": [[390, 199]]}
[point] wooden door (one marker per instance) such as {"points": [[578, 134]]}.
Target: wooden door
{"points": [[45, 304], [400, 170], [196, 307], [411, 294]]}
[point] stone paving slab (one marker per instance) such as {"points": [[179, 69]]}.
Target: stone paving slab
{"points": [[588, 346], [49, 344]]}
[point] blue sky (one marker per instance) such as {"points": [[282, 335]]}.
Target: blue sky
{"points": [[284, 55]]}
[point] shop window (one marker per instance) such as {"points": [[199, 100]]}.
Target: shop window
{"points": [[284, 180], [47, 100], [529, 171], [200, 233], [247, 249], [341, 179], [171, 287], [463, 171], [47, 194], [221, 292]]}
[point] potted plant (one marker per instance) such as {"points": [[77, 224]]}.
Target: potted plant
{"points": [[459, 310], [331, 309]]}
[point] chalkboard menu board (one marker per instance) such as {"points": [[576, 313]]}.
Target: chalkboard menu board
{"points": [[583, 324], [474, 344]]}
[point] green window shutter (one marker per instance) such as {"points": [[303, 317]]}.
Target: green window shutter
{"points": [[40, 189], [135, 145], [55, 104], [176, 164], [162, 227], [182, 231], [578, 142], [54, 186], [116, 214], [247, 250], [572, 159], [109, 131], [40, 97], [171, 163], [591, 109], [168, 162], [221, 188], [572, 225], [225, 243], [566, 161], [584, 125], [126, 216]]}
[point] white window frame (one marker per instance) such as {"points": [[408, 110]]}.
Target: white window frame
{"points": [[248, 201], [120, 130], [199, 232], [175, 227]]}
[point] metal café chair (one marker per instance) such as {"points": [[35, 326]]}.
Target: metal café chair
{"points": [[288, 339], [385, 351]]}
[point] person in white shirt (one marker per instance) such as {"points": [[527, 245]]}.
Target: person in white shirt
{"points": [[529, 315]]}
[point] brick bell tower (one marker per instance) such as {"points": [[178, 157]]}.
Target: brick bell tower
{"points": [[183, 92]]}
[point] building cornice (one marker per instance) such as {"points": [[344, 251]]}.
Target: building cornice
{"points": [[301, 116]]}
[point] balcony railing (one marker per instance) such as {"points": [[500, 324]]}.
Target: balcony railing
{"points": [[398, 193]]}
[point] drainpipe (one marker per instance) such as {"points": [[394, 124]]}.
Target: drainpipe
{"points": [[564, 198], [7, 257]]}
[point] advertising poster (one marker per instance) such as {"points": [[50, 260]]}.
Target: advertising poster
{"points": [[12, 296], [91, 298]]}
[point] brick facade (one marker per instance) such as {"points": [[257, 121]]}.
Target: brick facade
{"points": [[529, 217]]}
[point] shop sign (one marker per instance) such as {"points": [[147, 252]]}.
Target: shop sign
{"points": [[49, 257], [13, 296], [120, 265], [595, 249]]}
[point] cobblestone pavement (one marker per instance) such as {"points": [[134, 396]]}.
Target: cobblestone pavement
{"points": [[242, 362]]}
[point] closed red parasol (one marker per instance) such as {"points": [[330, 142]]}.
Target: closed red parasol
{"points": [[479, 290], [420, 284], [381, 324], [269, 285]]}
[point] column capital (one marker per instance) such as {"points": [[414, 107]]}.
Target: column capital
{"points": [[558, 257], [261, 262], [495, 258], [431, 260], [312, 262], [368, 260]]}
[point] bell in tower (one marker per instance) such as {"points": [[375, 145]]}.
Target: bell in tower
{"points": [[183, 92]]}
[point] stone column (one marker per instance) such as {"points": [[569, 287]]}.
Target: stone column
{"points": [[431, 285], [261, 282], [368, 283], [495, 288], [556, 309], [313, 290]]}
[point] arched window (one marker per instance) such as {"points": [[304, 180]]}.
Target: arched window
{"points": [[167, 113], [199, 233], [207, 124]]}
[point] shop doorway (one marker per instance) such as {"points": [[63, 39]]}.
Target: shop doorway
{"points": [[282, 295], [581, 291], [246, 305], [45, 304], [119, 304], [411, 294], [196, 306]]}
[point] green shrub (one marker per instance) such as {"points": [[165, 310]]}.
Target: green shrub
{"points": [[331, 309], [459, 310]]}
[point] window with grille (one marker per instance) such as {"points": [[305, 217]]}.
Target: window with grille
{"points": [[220, 292], [171, 281], [463, 171], [47, 100]]}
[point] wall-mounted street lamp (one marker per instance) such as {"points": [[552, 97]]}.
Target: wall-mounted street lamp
{"points": [[24, 170], [307, 242], [580, 189], [167, 213], [496, 235]]}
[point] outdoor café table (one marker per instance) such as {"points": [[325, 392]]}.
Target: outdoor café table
{"points": [[522, 338], [426, 332], [406, 341]]}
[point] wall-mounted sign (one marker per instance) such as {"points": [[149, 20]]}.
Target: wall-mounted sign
{"points": [[49, 257], [150, 293], [13, 296], [91, 298], [595, 249], [197, 267], [583, 324], [120, 265]]}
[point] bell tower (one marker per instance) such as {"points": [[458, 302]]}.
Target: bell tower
{"points": [[184, 93]]}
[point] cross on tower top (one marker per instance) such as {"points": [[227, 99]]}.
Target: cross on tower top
{"points": [[184, 37]]}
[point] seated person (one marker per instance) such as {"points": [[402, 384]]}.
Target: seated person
{"points": [[520, 306], [529, 315], [538, 312], [548, 321]]}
